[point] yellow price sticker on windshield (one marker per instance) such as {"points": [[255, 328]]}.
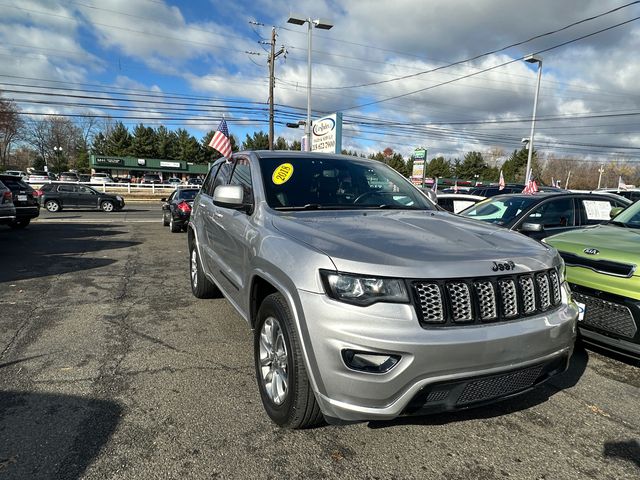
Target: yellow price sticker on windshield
{"points": [[282, 173]]}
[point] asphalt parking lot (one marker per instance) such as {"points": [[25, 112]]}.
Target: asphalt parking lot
{"points": [[110, 368]]}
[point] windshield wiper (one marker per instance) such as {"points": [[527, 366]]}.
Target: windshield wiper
{"points": [[620, 224]]}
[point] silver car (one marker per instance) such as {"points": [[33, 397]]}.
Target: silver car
{"points": [[365, 300]]}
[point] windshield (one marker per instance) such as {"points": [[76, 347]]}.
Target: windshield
{"points": [[629, 217], [499, 210], [336, 183]]}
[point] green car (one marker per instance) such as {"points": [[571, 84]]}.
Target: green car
{"points": [[602, 272]]}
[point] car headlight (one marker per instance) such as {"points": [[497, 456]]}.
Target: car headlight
{"points": [[562, 270], [364, 290]]}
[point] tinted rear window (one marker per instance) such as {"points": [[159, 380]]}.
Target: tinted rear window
{"points": [[15, 183], [187, 194]]}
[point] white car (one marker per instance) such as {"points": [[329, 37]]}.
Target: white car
{"points": [[17, 173], [101, 178], [38, 177]]}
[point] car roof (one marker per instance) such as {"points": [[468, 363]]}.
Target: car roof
{"points": [[460, 196], [299, 154], [545, 195]]}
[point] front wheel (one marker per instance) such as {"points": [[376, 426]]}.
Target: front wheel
{"points": [[201, 286], [52, 206], [282, 377], [107, 206]]}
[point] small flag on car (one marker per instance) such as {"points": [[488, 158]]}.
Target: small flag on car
{"points": [[501, 182], [531, 186], [220, 140], [434, 187], [621, 184]]}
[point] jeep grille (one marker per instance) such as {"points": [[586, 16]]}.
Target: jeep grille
{"points": [[503, 298]]}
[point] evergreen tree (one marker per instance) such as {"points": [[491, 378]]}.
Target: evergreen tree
{"points": [[472, 165], [118, 141], [99, 144], [144, 142], [259, 141], [396, 162], [187, 147], [514, 168], [296, 145], [438, 167], [280, 144], [165, 143]]}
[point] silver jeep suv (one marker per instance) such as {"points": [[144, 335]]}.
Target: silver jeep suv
{"points": [[367, 302]]}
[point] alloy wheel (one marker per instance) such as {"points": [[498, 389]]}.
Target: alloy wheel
{"points": [[274, 361]]}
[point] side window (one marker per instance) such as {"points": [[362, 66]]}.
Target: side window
{"points": [[65, 188], [242, 176], [596, 211], [84, 190], [222, 177], [207, 187], [555, 213]]}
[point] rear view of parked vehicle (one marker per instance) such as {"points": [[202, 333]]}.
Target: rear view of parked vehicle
{"points": [[176, 210], [24, 200], [56, 196], [7, 208]]}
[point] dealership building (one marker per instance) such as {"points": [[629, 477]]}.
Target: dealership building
{"points": [[137, 167]]}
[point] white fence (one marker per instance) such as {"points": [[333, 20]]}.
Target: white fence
{"points": [[125, 187]]}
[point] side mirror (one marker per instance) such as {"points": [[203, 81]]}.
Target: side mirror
{"points": [[531, 227], [230, 196], [163, 199], [615, 211]]}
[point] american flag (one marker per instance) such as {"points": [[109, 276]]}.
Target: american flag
{"points": [[220, 140], [531, 186], [501, 181]]}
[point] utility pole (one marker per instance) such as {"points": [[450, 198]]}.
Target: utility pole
{"points": [[566, 185], [601, 171], [272, 60]]}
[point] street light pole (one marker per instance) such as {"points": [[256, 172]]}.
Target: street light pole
{"points": [[533, 59], [600, 171], [317, 23]]}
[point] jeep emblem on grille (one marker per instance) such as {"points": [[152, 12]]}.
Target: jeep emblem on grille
{"points": [[591, 251], [503, 266]]}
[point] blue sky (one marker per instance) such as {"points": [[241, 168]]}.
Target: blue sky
{"points": [[184, 64]]}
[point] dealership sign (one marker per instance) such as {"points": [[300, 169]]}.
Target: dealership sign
{"points": [[170, 164], [109, 161], [327, 134]]}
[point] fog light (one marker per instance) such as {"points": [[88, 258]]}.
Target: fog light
{"points": [[369, 362]]}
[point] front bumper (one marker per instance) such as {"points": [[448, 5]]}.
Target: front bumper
{"points": [[610, 321], [428, 357]]}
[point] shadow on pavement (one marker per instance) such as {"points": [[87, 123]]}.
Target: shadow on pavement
{"points": [[54, 249], [628, 450], [538, 395], [52, 436]]}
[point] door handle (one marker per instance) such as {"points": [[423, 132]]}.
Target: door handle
{"points": [[218, 215]]}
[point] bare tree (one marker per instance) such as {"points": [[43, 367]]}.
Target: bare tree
{"points": [[11, 126], [57, 141]]}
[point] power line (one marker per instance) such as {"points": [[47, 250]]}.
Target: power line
{"points": [[472, 74]]}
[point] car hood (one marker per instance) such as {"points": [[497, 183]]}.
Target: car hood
{"points": [[614, 243], [415, 244]]}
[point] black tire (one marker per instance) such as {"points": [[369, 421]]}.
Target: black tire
{"points": [[107, 206], [165, 219], [19, 224], [297, 407], [201, 286], [52, 206], [173, 226]]}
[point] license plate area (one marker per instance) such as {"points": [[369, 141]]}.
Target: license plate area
{"points": [[21, 198]]}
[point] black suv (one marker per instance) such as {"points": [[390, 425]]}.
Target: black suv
{"points": [[24, 199], [56, 196], [176, 209]]}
